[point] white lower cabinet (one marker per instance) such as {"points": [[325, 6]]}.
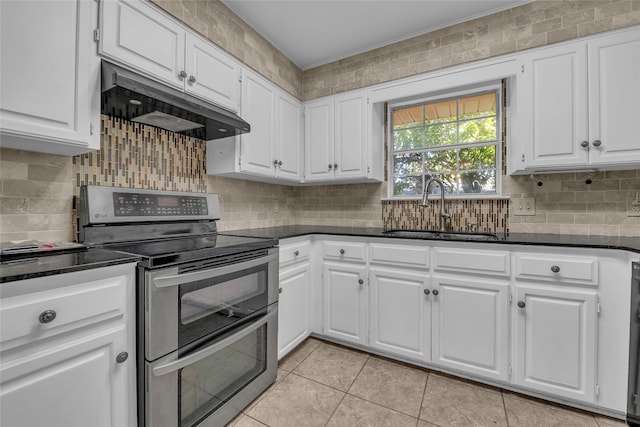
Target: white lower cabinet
{"points": [[399, 312], [74, 384], [345, 302], [555, 340], [67, 355], [470, 325], [293, 307]]}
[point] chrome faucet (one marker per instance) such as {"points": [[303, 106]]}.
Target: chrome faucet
{"points": [[425, 201]]}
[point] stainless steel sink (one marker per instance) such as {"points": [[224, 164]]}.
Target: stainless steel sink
{"points": [[444, 235]]}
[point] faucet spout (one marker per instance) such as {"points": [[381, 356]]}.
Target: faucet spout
{"points": [[425, 201]]}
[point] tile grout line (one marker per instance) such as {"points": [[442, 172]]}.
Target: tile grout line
{"points": [[504, 408], [347, 391]]}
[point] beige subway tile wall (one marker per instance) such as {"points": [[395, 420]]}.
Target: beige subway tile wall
{"points": [[36, 196], [531, 25]]}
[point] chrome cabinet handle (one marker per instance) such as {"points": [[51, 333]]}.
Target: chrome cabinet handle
{"points": [[584, 144], [330, 166], [360, 281], [275, 163], [279, 162], [436, 292], [296, 253], [47, 316], [192, 79], [521, 304], [555, 268], [426, 291], [341, 251], [279, 290], [597, 143], [122, 357], [335, 166], [183, 74]]}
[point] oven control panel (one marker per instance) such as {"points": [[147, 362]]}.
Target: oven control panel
{"points": [[143, 204], [112, 205]]}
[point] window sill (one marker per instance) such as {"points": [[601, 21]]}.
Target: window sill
{"points": [[456, 197]]}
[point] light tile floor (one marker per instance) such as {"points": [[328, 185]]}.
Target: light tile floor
{"points": [[322, 384]]}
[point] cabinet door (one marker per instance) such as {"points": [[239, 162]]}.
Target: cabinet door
{"points": [[293, 308], [350, 137], [49, 77], [289, 139], [399, 314], [257, 148], [73, 383], [345, 308], [318, 140], [555, 337], [614, 67], [136, 34], [212, 75], [556, 106], [470, 325]]}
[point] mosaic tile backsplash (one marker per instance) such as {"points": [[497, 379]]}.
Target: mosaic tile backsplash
{"points": [[489, 216]]}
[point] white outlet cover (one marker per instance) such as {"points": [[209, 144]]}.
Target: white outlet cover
{"points": [[633, 205]]}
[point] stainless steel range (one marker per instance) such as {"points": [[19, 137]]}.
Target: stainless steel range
{"points": [[207, 302]]}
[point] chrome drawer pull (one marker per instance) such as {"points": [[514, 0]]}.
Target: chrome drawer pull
{"points": [[555, 268], [47, 316]]}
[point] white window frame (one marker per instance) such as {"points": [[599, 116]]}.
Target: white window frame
{"points": [[451, 94]]}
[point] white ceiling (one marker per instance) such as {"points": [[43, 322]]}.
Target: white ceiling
{"points": [[315, 32]]}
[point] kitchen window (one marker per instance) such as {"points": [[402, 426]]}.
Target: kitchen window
{"points": [[456, 137]]}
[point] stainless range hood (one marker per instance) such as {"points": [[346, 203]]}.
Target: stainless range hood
{"points": [[130, 96]]}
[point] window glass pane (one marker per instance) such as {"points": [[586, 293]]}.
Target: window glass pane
{"points": [[407, 117], [450, 181], [478, 157], [407, 164], [481, 181], [478, 130], [407, 139], [442, 134], [477, 106], [441, 161], [407, 186]]}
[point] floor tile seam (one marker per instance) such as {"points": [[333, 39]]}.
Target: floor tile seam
{"points": [[504, 408], [335, 409], [316, 381], [359, 372], [262, 395], [256, 420], [305, 358], [424, 393], [383, 406]]}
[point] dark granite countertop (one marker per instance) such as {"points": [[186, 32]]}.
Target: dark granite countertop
{"points": [[29, 267], [603, 242]]}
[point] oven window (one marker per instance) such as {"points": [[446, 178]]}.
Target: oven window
{"points": [[207, 384], [212, 305]]}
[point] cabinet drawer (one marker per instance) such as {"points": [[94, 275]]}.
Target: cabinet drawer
{"points": [[581, 269], [410, 256], [294, 252], [43, 314], [471, 261], [345, 251]]}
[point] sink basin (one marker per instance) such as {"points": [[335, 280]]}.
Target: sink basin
{"points": [[445, 235]]}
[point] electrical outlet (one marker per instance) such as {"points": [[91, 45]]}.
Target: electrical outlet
{"points": [[633, 205], [523, 207]]}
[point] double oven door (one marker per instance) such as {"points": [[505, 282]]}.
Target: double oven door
{"points": [[210, 331]]}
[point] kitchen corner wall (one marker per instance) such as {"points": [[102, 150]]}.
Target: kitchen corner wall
{"points": [[37, 189]]}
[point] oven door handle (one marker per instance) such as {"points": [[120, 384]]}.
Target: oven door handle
{"points": [[208, 351], [179, 279]]}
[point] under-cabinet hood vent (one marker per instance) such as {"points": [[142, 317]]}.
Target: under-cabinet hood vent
{"points": [[130, 96]]}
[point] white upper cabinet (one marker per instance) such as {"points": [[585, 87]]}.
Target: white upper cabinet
{"points": [[614, 94], [257, 148], [337, 141], [140, 37], [581, 106], [272, 151], [49, 77]]}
